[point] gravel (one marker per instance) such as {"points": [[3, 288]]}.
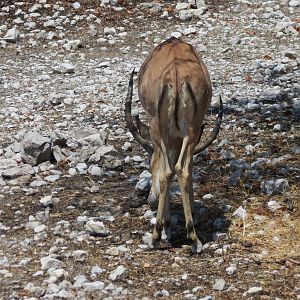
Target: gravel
{"points": [[74, 218]]}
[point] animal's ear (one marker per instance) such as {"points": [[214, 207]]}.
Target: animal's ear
{"points": [[143, 129]]}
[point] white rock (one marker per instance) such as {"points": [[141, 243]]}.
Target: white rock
{"points": [[39, 228], [43, 77], [64, 294], [97, 270], [7, 163], [18, 171], [102, 152], [208, 196], [220, 236], [273, 205], [52, 288], [72, 172], [198, 12], [96, 228], [200, 4], [79, 281], [118, 273], [190, 30], [113, 251], [76, 5], [161, 294], [49, 23], [52, 178], [137, 158], [230, 270], [12, 35], [4, 263], [294, 3], [127, 146], [147, 239], [219, 285], [64, 68], [277, 186], [181, 5], [73, 44], [35, 8], [109, 31], [94, 286], [277, 127], [240, 212], [81, 168], [48, 262], [38, 183], [144, 183], [95, 170], [80, 255], [149, 214], [253, 290], [176, 34], [33, 138], [185, 15]]}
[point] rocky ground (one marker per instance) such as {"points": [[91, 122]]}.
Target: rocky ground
{"points": [[74, 220]]}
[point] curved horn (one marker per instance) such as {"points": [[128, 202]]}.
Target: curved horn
{"points": [[143, 129], [214, 133], [129, 120]]}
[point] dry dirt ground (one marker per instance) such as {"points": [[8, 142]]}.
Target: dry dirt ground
{"points": [[266, 253]]}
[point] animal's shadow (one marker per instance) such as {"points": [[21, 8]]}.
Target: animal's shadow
{"points": [[211, 222]]}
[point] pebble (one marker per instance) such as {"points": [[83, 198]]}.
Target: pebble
{"points": [[273, 205], [95, 170], [117, 274], [39, 228], [144, 183], [82, 168], [64, 68], [149, 214], [208, 197], [96, 228], [48, 262], [18, 171], [61, 111], [253, 290], [240, 212], [93, 286], [48, 200], [275, 186], [79, 281], [12, 35], [97, 270], [113, 251], [230, 270], [161, 294], [219, 285], [80, 255]]}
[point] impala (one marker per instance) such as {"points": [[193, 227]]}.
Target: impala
{"points": [[175, 91]]}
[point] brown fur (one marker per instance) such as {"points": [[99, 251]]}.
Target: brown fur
{"points": [[175, 91]]}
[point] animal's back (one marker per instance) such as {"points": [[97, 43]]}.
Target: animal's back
{"points": [[174, 82]]}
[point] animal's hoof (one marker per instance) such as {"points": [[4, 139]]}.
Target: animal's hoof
{"points": [[197, 246], [155, 244], [166, 234]]}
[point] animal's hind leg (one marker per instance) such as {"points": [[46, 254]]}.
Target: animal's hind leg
{"points": [[165, 176], [155, 187], [183, 169]]}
